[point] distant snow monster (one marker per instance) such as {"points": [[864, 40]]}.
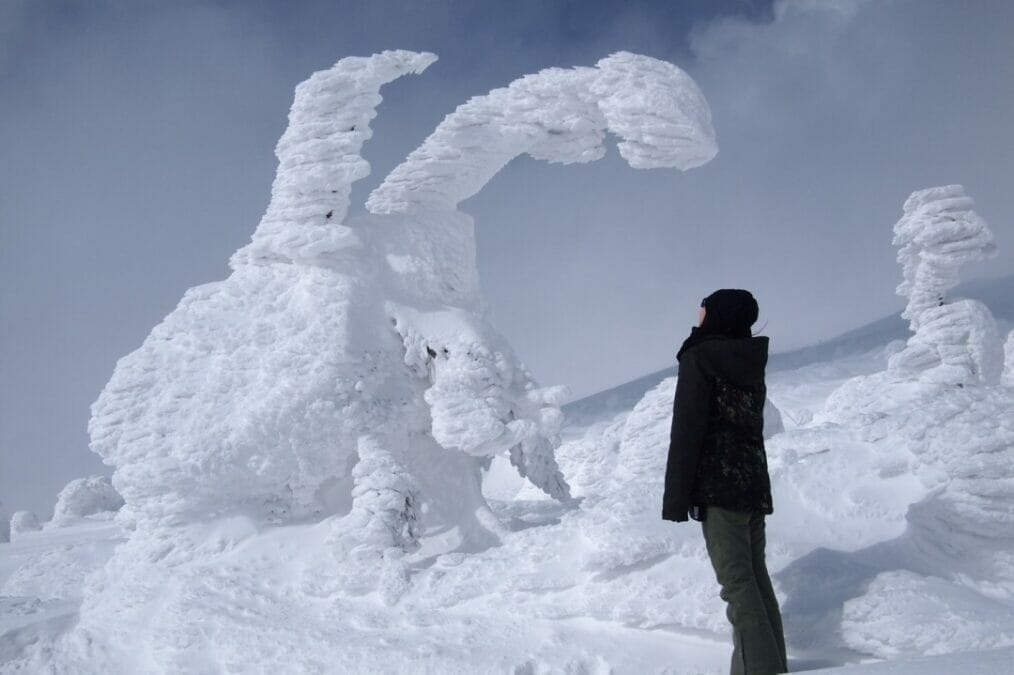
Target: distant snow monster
{"points": [[85, 497], [24, 521], [954, 341], [346, 367], [941, 409]]}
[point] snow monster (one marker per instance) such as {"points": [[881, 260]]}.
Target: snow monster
{"points": [[345, 372]]}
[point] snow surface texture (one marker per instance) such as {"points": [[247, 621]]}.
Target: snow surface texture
{"points": [[85, 497], [954, 342], [344, 377]]}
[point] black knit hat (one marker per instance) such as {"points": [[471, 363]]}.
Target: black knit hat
{"points": [[729, 312]]}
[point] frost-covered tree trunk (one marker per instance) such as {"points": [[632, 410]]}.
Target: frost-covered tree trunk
{"points": [[954, 342], [356, 351]]}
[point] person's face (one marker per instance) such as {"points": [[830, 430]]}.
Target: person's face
{"points": [[700, 316]]}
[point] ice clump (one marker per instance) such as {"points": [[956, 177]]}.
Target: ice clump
{"points": [[24, 521], [85, 497]]}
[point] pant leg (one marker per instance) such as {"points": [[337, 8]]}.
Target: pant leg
{"points": [[727, 535], [760, 572]]}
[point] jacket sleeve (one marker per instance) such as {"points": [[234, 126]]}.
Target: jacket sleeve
{"points": [[689, 423]]}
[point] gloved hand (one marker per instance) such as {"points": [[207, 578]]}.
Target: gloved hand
{"points": [[675, 512]]}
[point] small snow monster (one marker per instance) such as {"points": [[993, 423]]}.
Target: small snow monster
{"points": [[954, 341]]}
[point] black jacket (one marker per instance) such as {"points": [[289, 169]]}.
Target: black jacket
{"points": [[716, 446]]}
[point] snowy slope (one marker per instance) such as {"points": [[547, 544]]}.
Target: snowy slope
{"points": [[606, 584]]}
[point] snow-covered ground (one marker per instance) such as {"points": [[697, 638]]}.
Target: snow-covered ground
{"points": [[603, 585]]}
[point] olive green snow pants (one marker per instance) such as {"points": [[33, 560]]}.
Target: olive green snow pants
{"points": [[735, 542]]}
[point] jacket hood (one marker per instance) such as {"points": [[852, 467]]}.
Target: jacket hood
{"points": [[738, 360]]}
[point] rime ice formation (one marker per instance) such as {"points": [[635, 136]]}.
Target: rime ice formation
{"points": [[345, 374], [556, 115], [24, 521], [955, 341], [344, 377], [85, 497], [940, 414], [254, 390]]}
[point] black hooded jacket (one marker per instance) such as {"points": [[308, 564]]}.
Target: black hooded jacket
{"points": [[716, 446]]}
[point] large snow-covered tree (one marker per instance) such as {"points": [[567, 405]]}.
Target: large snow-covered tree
{"points": [[347, 367]]}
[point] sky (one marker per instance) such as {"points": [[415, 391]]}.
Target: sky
{"points": [[136, 154]]}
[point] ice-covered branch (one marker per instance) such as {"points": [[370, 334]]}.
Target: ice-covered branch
{"points": [[557, 115], [318, 158]]}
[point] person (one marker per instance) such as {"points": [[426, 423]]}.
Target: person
{"points": [[717, 472]]}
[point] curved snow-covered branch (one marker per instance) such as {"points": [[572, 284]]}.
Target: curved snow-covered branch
{"points": [[318, 158], [558, 115]]}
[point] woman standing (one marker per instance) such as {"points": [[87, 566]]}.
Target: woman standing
{"points": [[717, 470]]}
